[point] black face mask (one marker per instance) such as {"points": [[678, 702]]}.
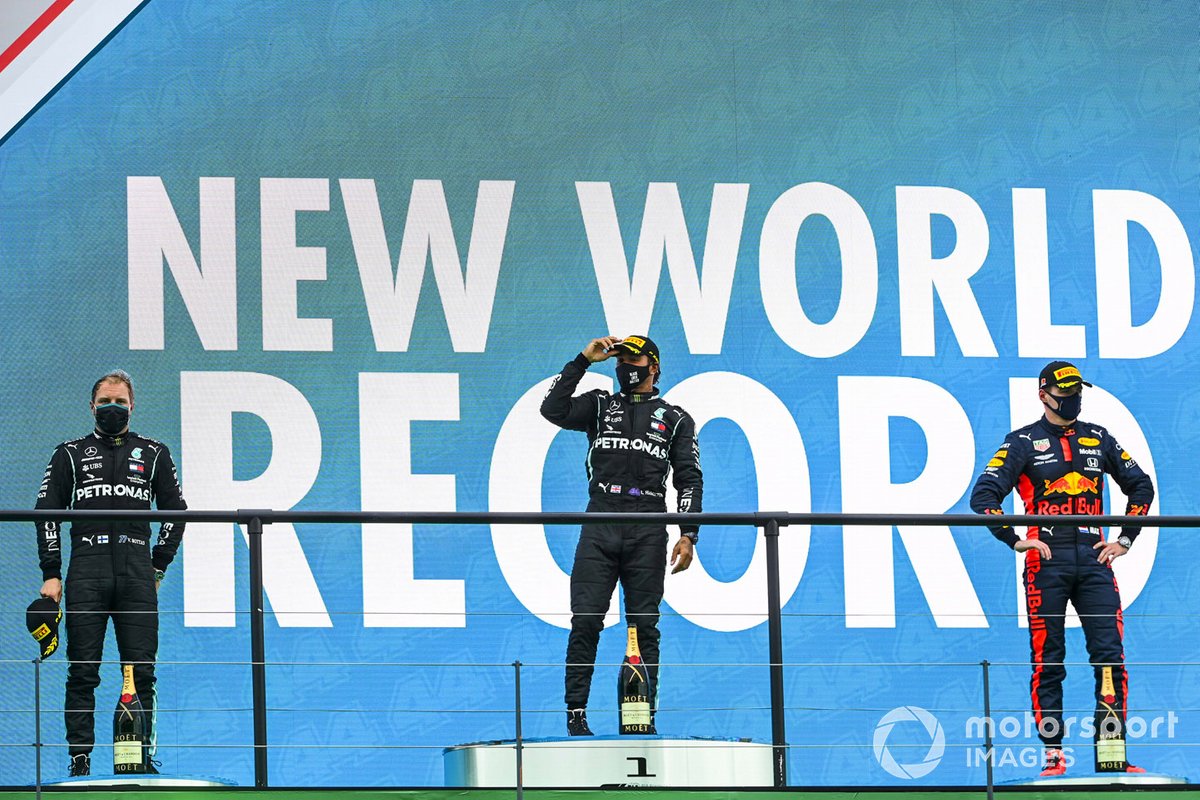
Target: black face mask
{"points": [[1068, 407], [112, 418], [630, 377]]}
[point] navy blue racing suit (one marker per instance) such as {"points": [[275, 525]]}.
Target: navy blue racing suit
{"points": [[1058, 470]]}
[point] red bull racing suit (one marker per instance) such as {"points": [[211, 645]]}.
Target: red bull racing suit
{"points": [[1058, 470], [633, 442]]}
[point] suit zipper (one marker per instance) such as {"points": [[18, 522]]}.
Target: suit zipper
{"points": [[112, 481]]}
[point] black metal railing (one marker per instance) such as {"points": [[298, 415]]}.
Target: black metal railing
{"points": [[771, 524]]}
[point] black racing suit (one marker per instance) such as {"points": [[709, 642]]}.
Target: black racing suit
{"points": [[634, 441], [112, 569], [1059, 470]]}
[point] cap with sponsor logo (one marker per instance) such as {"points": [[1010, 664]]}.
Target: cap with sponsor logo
{"points": [[1062, 374], [640, 345], [42, 618]]}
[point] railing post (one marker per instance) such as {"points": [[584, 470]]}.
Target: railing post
{"points": [[37, 726], [258, 651], [987, 729], [775, 635], [520, 738]]}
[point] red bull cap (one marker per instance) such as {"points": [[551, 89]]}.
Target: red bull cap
{"points": [[1062, 374]]}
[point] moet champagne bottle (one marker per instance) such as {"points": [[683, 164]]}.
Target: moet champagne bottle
{"points": [[129, 729], [633, 689], [1110, 728]]}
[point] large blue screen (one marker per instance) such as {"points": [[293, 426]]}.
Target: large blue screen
{"points": [[343, 246]]}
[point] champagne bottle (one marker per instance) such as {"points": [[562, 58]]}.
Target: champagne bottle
{"points": [[129, 729], [1110, 728], [633, 689]]}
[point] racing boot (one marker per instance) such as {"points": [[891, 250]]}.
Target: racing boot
{"points": [[577, 722], [1131, 769], [81, 765], [1056, 763]]}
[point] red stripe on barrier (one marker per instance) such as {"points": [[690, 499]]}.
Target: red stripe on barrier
{"points": [[32, 32]]}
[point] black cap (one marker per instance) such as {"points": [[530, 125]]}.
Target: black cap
{"points": [[42, 619], [640, 345], [1062, 374]]}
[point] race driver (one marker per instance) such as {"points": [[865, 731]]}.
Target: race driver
{"points": [[1057, 465], [634, 440], [113, 569]]}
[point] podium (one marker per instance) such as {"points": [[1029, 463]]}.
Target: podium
{"points": [[611, 761], [136, 780], [1093, 780]]}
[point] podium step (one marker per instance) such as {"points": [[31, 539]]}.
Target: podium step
{"points": [[155, 781], [611, 761], [1092, 779]]}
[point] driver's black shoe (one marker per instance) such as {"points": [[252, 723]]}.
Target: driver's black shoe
{"points": [[81, 765], [577, 722]]}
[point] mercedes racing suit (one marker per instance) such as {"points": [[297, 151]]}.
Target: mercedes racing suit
{"points": [[112, 569], [633, 442], [1058, 470]]}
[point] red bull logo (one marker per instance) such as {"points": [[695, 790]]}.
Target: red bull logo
{"points": [[1076, 505], [1033, 595], [1072, 483]]}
